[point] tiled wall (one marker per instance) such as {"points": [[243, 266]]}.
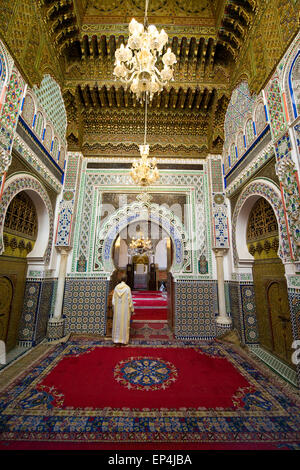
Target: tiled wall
{"points": [[36, 309], [85, 305], [243, 311], [196, 306]]}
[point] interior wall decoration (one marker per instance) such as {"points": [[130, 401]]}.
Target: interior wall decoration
{"points": [[10, 111], [266, 189], [220, 231], [196, 306], [290, 188], [68, 204], [94, 182], [13, 186], [85, 305], [36, 307]]}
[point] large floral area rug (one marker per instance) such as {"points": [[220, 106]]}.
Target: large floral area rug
{"points": [[91, 391]]}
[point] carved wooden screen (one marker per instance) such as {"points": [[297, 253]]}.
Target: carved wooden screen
{"points": [[262, 221], [21, 217]]}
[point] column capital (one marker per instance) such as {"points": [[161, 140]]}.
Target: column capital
{"points": [[220, 251], [64, 250]]}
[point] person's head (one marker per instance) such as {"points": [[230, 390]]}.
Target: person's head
{"points": [[123, 277]]}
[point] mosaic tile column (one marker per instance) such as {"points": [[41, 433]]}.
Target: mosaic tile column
{"points": [[220, 235], [64, 238], [68, 204]]}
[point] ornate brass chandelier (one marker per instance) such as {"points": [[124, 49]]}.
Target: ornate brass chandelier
{"points": [[135, 64], [140, 246]]}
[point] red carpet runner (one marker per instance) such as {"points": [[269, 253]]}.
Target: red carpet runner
{"points": [[150, 305]]}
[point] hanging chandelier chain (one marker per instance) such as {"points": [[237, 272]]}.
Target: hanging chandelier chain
{"points": [[146, 13], [145, 135], [136, 67]]}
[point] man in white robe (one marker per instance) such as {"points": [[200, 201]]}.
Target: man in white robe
{"points": [[123, 308]]}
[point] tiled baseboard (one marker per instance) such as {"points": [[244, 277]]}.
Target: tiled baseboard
{"points": [[282, 369]]}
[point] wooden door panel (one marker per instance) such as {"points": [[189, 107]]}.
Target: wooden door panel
{"points": [[6, 296], [278, 307]]}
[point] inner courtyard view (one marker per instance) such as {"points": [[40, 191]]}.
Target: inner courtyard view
{"points": [[154, 143]]}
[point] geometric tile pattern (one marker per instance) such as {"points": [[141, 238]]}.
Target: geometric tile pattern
{"points": [[297, 135], [50, 98], [84, 307], [241, 104], [30, 307], [290, 74], [3, 69], [93, 181], [67, 206], [243, 311], [11, 109], [236, 308], [36, 308], [275, 108], [283, 146], [196, 306], [219, 206], [294, 302], [289, 182], [249, 314], [55, 330]]}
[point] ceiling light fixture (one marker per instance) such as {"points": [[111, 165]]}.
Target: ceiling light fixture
{"points": [[136, 63]]}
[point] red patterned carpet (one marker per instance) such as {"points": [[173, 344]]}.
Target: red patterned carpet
{"points": [[150, 305], [178, 396], [95, 379]]}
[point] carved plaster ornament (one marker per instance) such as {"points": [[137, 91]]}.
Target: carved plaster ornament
{"points": [[5, 161]]}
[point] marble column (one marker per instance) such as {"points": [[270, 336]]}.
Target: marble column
{"points": [[56, 323], [222, 318]]}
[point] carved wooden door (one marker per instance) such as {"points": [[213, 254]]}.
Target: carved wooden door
{"points": [[6, 295], [280, 321]]}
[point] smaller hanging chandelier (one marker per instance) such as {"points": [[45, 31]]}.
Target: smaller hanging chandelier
{"points": [[136, 63], [140, 246], [144, 171]]}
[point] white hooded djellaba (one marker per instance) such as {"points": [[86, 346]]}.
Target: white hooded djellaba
{"points": [[123, 307]]}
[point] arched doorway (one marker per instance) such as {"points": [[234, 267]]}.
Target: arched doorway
{"points": [[147, 275], [273, 314], [145, 270], [19, 237]]}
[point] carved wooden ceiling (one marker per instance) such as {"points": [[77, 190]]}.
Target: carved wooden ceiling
{"points": [[217, 43]]}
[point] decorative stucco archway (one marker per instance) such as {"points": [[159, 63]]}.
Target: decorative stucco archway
{"points": [[139, 212], [257, 188], [25, 182]]}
